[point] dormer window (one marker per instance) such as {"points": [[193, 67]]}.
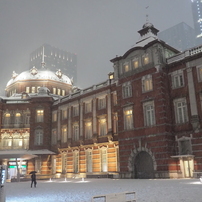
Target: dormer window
{"points": [[135, 63], [126, 67], [59, 73], [145, 58]]}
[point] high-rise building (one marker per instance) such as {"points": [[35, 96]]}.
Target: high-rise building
{"points": [[197, 17], [55, 59], [180, 36]]}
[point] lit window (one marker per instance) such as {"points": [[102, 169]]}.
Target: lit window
{"points": [[59, 91], [39, 115], [147, 83], [88, 130], [102, 127], [127, 90], [177, 79], [63, 92], [87, 107], [54, 91], [180, 106], [17, 118], [126, 67], [64, 134], [145, 59], [103, 156], [135, 63], [27, 89], [33, 89], [149, 114], [7, 118], [128, 118]]}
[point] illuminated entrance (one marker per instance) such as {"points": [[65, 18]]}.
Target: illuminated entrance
{"points": [[12, 169]]}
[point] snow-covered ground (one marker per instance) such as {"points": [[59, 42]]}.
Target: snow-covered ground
{"points": [[76, 190]]}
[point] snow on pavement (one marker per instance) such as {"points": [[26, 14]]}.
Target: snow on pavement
{"points": [[77, 190]]}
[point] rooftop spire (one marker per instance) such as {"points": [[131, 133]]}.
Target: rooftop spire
{"points": [[43, 61]]}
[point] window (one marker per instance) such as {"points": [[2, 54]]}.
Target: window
{"points": [[103, 156], [7, 118], [126, 67], [149, 113], [33, 89], [147, 83], [76, 161], [135, 63], [128, 118], [145, 58], [115, 98], [127, 90], [17, 118], [199, 71], [63, 92], [89, 162], [39, 115], [180, 106], [64, 114], [27, 89], [38, 137], [54, 137], [75, 132], [54, 116], [102, 103], [27, 118], [64, 134], [185, 147], [59, 91], [177, 79], [102, 127], [75, 110], [54, 91], [88, 129], [115, 123], [88, 107]]}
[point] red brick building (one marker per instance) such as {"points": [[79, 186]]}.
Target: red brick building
{"points": [[143, 122]]}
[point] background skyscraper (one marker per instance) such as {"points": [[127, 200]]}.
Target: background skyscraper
{"points": [[197, 17], [53, 59]]}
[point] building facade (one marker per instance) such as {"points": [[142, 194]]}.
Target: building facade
{"points": [[55, 59], [144, 121]]}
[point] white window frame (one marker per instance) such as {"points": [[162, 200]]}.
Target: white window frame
{"points": [[127, 90], [102, 126], [88, 130], [75, 132], [177, 78], [181, 112], [147, 83], [38, 137], [149, 113], [128, 118], [64, 134]]}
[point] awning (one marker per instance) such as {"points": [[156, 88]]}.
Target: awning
{"points": [[23, 154]]}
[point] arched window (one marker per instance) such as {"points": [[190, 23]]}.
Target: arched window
{"points": [[7, 118], [17, 118]]}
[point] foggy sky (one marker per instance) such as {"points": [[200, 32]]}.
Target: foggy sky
{"points": [[96, 30]]}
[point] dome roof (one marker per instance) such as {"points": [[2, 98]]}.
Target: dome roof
{"points": [[42, 74]]}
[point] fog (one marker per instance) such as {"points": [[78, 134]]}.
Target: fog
{"points": [[96, 30]]}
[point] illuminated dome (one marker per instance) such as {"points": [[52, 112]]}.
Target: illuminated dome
{"points": [[43, 74]]}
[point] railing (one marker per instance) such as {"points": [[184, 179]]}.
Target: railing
{"points": [[185, 54]]}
